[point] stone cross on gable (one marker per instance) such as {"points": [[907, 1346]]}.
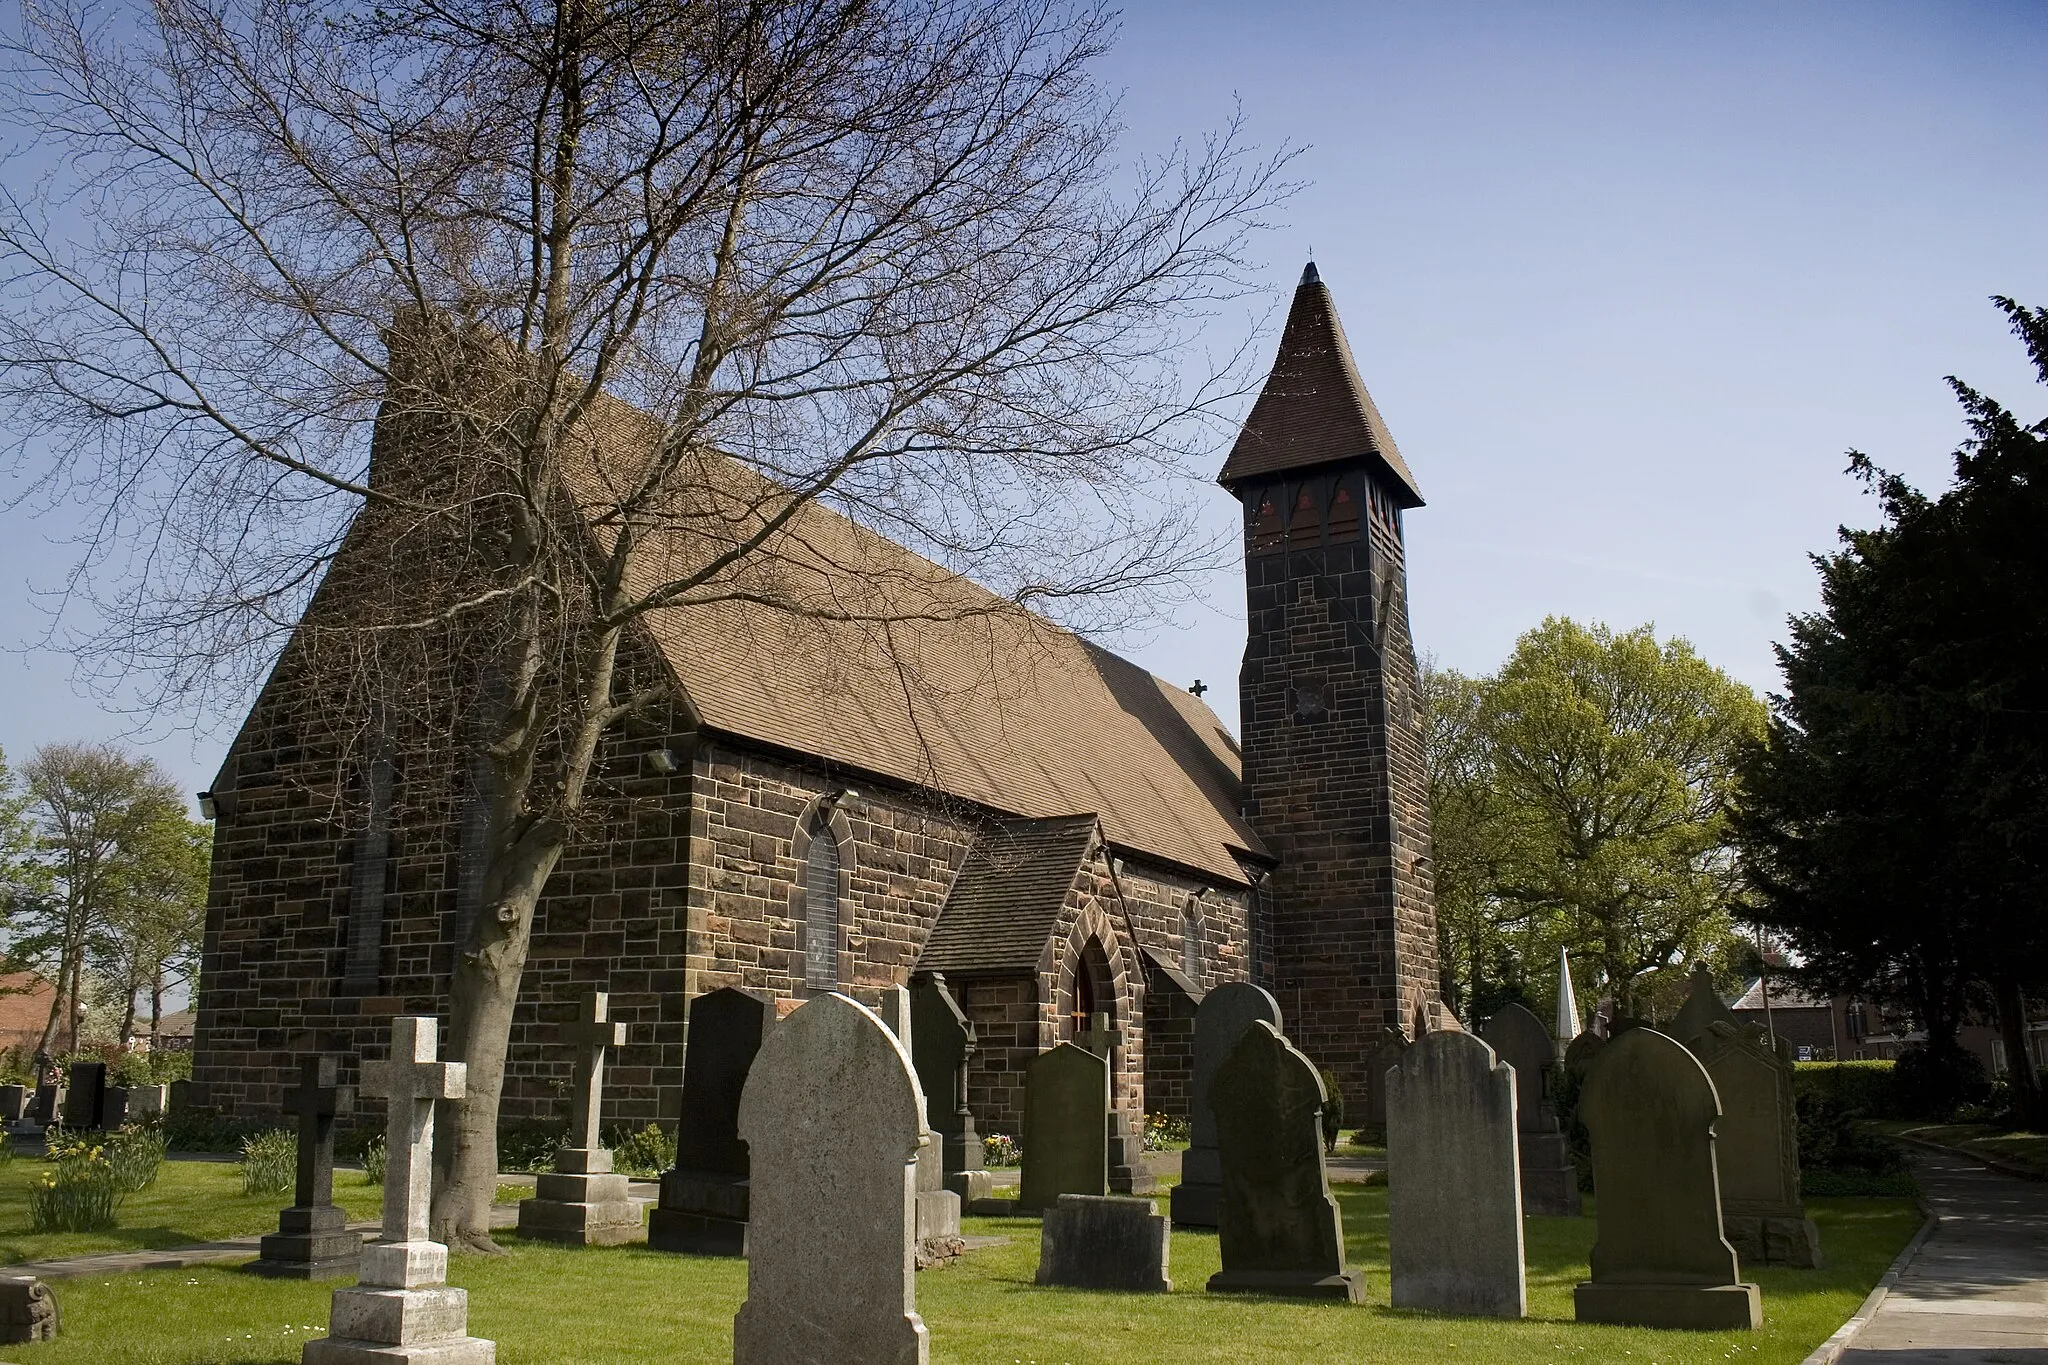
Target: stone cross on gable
{"points": [[410, 1082], [317, 1099], [591, 1033]]}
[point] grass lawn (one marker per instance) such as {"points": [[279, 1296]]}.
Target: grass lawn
{"points": [[2028, 1151], [629, 1305], [191, 1201]]}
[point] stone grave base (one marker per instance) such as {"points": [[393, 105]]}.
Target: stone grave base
{"points": [[700, 1212], [400, 1327], [1127, 1173], [582, 1210], [1197, 1206], [28, 1311], [1791, 1242], [310, 1244], [970, 1186], [993, 1208], [1347, 1286], [1105, 1242], [1704, 1307], [1550, 1182], [933, 1252]]}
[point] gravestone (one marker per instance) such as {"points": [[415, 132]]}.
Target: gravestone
{"points": [[147, 1102], [1125, 1136], [1105, 1242], [704, 1197], [582, 1202], [1756, 1148], [47, 1105], [13, 1100], [1220, 1021], [1066, 1127], [1703, 1007], [1454, 1196], [1550, 1183], [1279, 1232], [312, 1240], [829, 1251], [114, 1107], [1584, 1050], [180, 1097], [28, 1311], [85, 1097], [1660, 1259], [942, 1042], [938, 1208], [403, 1311], [1382, 1056]]}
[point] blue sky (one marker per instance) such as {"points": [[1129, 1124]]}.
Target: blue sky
{"points": [[1625, 280]]}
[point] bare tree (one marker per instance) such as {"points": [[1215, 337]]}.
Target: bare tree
{"points": [[877, 257]]}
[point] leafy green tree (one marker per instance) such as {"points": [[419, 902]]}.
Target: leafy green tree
{"points": [[154, 914], [1468, 829], [1897, 816], [1613, 758], [24, 882]]}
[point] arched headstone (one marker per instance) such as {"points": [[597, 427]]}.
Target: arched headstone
{"points": [[1756, 1148], [833, 1118], [1660, 1260], [1550, 1183], [1220, 1022], [705, 1197], [1066, 1127]]}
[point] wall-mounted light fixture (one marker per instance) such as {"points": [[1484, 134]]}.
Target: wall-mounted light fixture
{"points": [[208, 807], [844, 794], [662, 761]]}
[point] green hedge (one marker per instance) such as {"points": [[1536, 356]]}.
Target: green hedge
{"points": [[1864, 1087]]}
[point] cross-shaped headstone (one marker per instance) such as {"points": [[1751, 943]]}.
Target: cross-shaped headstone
{"points": [[317, 1099], [411, 1081], [1100, 1037], [591, 1033]]}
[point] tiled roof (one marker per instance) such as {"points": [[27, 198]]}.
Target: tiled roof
{"points": [[1314, 409], [1008, 893], [1783, 997], [835, 642]]}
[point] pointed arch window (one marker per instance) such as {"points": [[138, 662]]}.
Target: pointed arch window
{"points": [[1191, 943], [821, 905]]}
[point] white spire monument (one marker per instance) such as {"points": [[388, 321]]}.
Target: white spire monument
{"points": [[1567, 1003]]}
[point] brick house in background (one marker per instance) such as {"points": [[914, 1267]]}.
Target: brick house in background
{"points": [[24, 1010], [840, 805]]}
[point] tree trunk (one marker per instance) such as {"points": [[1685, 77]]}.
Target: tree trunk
{"points": [[127, 1034], [482, 995], [156, 1009], [2021, 1074]]}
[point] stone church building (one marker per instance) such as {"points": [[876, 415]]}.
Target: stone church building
{"points": [[1051, 829]]}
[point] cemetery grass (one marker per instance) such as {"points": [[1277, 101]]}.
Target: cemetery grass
{"points": [[191, 1201], [632, 1306], [2027, 1152]]}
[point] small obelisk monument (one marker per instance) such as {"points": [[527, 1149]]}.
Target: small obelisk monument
{"points": [[404, 1311], [583, 1202]]}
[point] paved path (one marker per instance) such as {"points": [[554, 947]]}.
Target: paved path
{"points": [[1976, 1293]]}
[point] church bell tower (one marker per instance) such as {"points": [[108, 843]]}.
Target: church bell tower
{"points": [[1331, 716]]}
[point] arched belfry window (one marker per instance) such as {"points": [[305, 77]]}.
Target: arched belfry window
{"points": [[821, 905]]}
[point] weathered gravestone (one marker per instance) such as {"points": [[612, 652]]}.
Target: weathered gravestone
{"points": [[938, 1208], [834, 1119], [85, 1098], [28, 1311], [47, 1105], [114, 1107], [1280, 1232], [1550, 1183], [1220, 1022], [403, 1311], [147, 1102], [1125, 1138], [942, 1042], [1703, 1007], [1381, 1057], [1105, 1242], [312, 1240], [13, 1100], [180, 1096], [704, 1198], [582, 1202], [1066, 1127], [1660, 1259], [1454, 1196], [1756, 1147], [1580, 1056]]}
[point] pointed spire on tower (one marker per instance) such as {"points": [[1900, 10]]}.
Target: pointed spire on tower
{"points": [[1567, 1003], [1314, 410]]}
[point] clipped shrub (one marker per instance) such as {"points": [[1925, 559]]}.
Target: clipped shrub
{"points": [[1333, 1110], [1932, 1085], [373, 1159], [646, 1153], [81, 1193], [270, 1161], [137, 1155], [202, 1130], [1000, 1149], [1864, 1087]]}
